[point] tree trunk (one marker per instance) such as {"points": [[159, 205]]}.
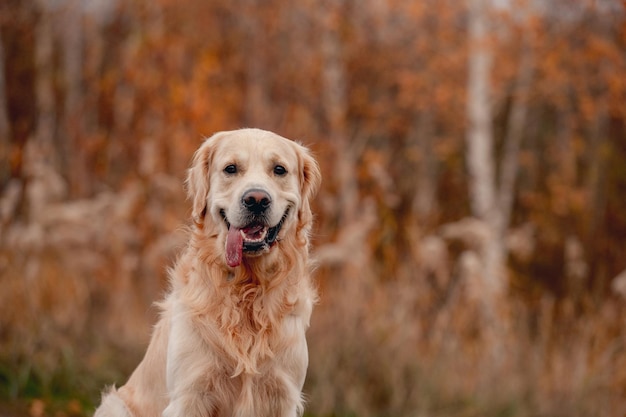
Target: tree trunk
{"points": [[5, 126], [509, 163], [334, 101], [258, 107], [596, 190], [46, 122], [425, 198], [74, 152], [480, 151]]}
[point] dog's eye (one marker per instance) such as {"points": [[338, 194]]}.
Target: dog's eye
{"points": [[280, 170], [231, 169]]}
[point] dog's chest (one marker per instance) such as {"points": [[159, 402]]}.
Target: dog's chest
{"points": [[255, 332], [265, 368]]}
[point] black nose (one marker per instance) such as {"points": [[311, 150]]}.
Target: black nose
{"points": [[256, 201]]}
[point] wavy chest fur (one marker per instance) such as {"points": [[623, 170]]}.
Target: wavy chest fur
{"points": [[251, 321], [243, 312]]}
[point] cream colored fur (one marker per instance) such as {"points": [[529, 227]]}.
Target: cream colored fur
{"points": [[231, 340]]}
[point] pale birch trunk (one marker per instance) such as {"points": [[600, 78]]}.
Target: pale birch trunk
{"points": [[480, 152], [492, 200]]}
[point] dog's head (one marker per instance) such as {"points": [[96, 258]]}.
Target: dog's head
{"points": [[254, 187]]}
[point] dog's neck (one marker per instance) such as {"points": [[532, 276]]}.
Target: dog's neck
{"points": [[268, 270]]}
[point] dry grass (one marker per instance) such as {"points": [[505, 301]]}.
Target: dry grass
{"points": [[396, 352], [411, 344]]}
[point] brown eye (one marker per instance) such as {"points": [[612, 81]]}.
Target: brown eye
{"points": [[231, 169], [280, 170]]}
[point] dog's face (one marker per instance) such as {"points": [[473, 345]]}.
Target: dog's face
{"points": [[254, 186]]}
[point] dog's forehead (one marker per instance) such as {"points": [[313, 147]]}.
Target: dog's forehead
{"points": [[256, 145]]}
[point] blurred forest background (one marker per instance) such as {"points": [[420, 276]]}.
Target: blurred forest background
{"points": [[470, 230]]}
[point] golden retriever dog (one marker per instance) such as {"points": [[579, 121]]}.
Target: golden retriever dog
{"points": [[230, 341]]}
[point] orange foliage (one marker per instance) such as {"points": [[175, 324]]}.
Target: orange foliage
{"points": [[378, 90]]}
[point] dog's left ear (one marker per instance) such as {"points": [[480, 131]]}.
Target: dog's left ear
{"points": [[197, 183], [310, 181]]}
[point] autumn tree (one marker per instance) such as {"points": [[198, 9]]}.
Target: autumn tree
{"points": [[506, 118]]}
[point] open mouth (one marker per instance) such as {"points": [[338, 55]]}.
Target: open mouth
{"points": [[252, 239]]}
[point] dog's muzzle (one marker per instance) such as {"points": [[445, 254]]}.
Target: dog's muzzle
{"points": [[253, 239]]}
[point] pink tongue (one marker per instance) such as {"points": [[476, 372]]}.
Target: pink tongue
{"points": [[234, 247]]}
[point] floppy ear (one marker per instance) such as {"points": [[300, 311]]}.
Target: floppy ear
{"points": [[197, 183], [310, 181]]}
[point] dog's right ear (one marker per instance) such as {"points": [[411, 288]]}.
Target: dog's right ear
{"points": [[197, 182]]}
